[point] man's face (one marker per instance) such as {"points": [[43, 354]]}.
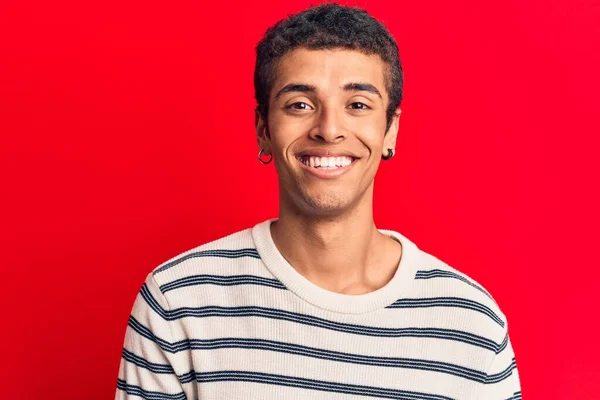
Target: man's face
{"points": [[326, 128]]}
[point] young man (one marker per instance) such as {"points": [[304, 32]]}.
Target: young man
{"points": [[319, 303]]}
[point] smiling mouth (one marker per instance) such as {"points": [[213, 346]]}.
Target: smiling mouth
{"points": [[329, 163]]}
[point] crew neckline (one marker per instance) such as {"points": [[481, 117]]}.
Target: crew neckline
{"points": [[396, 288]]}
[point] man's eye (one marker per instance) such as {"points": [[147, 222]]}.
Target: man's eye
{"points": [[359, 106], [299, 106]]}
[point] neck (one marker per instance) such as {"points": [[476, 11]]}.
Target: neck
{"points": [[343, 253]]}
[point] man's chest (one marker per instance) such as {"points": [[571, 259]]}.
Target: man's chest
{"points": [[320, 359]]}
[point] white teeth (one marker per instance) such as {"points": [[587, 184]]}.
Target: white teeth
{"points": [[327, 162]]}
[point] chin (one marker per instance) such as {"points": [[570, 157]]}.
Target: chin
{"points": [[327, 204], [320, 200]]}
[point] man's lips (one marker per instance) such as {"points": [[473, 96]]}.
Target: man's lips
{"points": [[326, 167], [326, 153], [306, 158]]}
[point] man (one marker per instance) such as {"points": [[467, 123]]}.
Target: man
{"points": [[319, 303]]}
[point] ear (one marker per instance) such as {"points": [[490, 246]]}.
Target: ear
{"points": [[262, 133], [389, 140]]}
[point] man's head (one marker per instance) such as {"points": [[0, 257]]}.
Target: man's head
{"points": [[328, 82], [328, 26]]}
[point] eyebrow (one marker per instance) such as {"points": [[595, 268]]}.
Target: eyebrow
{"points": [[349, 87], [367, 87]]}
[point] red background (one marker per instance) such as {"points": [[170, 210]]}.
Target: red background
{"points": [[127, 137]]}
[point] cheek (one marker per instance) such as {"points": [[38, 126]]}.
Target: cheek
{"points": [[284, 133], [372, 138], [279, 138], [371, 131]]}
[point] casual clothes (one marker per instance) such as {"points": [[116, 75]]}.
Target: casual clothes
{"points": [[232, 319]]}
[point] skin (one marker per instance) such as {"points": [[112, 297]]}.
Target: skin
{"points": [[325, 228]]}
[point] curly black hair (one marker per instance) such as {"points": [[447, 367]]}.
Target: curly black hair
{"points": [[327, 26]]}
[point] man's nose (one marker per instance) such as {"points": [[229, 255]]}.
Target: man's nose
{"points": [[329, 126]]}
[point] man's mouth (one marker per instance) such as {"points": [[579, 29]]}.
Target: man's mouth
{"points": [[326, 162]]}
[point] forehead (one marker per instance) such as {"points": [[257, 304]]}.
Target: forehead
{"points": [[329, 69]]}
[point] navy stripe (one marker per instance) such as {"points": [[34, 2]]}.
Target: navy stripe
{"points": [[221, 253], [313, 384], [150, 366], [146, 394], [258, 280], [229, 280], [147, 333], [438, 273], [503, 344], [253, 311], [495, 378], [289, 348], [448, 302], [515, 396]]}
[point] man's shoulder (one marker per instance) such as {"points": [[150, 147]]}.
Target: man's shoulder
{"points": [[434, 267], [453, 285], [237, 245]]}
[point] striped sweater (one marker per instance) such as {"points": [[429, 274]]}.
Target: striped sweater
{"points": [[233, 320]]}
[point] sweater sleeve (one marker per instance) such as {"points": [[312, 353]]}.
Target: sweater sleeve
{"points": [[502, 378], [146, 369]]}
